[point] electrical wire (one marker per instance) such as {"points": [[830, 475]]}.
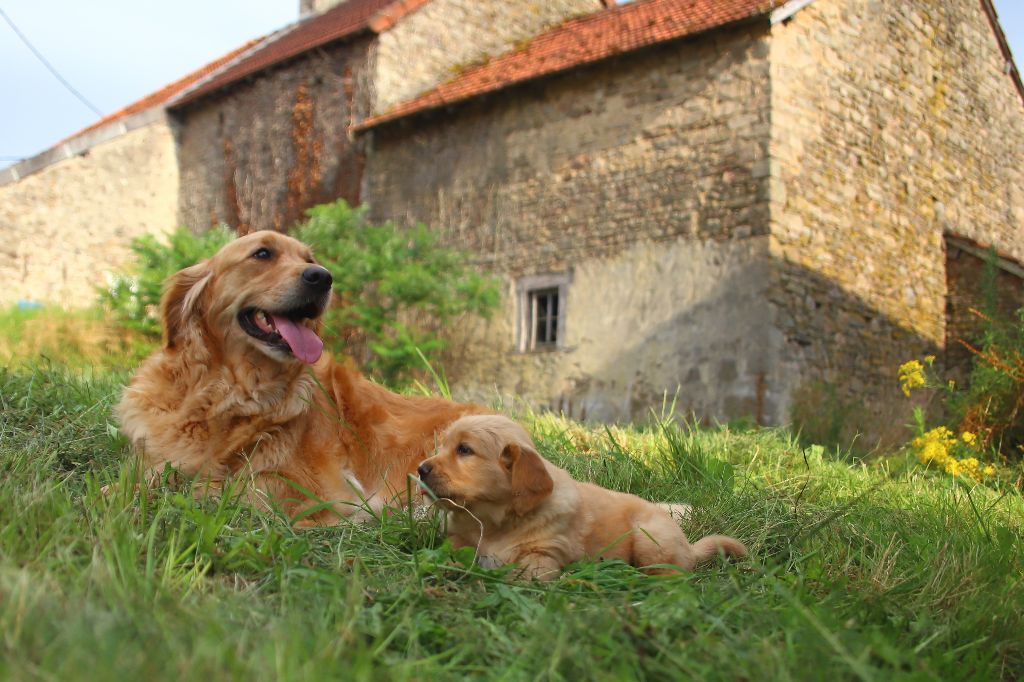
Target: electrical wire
{"points": [[41, 58]]}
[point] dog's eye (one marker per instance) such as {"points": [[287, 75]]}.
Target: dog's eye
{"points": [[262, 253], [463, 450]]}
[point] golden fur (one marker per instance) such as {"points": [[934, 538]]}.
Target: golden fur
{"points": [[217, 402], [516, 507]]}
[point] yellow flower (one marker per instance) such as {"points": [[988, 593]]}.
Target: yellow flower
{"points": [[934, 445], [911, 376], [937, 447], [929, 359]]}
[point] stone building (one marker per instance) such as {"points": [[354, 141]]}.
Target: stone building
{"points": [[747, 205], [251, 139], [268, 137], [751, 207], [68, 215]]}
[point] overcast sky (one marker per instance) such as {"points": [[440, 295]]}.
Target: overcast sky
{"points": [[116, 51]]}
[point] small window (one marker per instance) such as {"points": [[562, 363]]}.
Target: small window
{"points": [[544, 316], [542, 307]]}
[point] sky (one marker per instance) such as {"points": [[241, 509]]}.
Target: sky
{"points": [[114, 52]]}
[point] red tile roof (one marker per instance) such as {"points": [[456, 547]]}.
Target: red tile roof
{"points": [[166, 93], [581, 41], [347, 19]]}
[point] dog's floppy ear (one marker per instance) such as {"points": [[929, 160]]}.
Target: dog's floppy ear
{"points": [[178, 304], [531, 482]]}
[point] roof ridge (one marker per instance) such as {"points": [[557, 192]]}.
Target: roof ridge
{"points": [[387, 17], [255, 45], [341, 22]]}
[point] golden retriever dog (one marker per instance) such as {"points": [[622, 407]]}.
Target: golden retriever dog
{"points": [[516, 507], [241, 390]]}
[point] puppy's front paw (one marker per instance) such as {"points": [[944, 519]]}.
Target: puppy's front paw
{"points": [[487, 561], [538, 567]]}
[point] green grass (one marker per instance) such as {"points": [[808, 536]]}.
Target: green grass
{"points": [[858, 572], [81, 338]]}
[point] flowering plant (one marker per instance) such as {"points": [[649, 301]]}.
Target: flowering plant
{"points": [[941, 447], [957, 456]]}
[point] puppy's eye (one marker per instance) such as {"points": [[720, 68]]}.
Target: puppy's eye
{"points": [[262, 253], [463, 450]]}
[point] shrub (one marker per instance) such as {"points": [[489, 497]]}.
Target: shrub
{"points": [[987, 411], [992, 402], [134, 298], [396, 289], [993, 397]]}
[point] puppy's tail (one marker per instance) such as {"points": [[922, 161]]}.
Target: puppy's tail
{"points": [[711, 545]]}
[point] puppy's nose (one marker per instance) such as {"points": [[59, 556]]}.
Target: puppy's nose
{"points": [[425, 469], [317, 278]]}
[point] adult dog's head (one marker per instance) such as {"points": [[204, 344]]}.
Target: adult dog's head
{"points": [[487, 459], [261, 292]]}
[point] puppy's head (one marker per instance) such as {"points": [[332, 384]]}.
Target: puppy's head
{"points": [[262, 291], [487, 459]]}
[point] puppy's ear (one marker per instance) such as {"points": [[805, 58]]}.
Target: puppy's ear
{"points": [[179, 301], [531, 482]]}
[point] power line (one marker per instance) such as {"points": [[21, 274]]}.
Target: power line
{"points": [[40, 57]]}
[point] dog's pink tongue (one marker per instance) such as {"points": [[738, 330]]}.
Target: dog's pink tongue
{"points": [[306, 345]]}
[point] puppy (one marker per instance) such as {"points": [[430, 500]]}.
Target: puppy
{"points": [[516, 507]]}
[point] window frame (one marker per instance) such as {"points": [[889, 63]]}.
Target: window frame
{"points": [[526, 290]]}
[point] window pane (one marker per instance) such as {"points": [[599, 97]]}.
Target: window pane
{"points": [[543, 317]]}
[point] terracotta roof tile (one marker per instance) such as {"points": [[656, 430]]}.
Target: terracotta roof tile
{"points": [[166, 93], [582, 41], [348, 18]]}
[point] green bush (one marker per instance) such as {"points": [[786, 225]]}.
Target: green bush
{"points": [[984, 417], [992, 403], [396, 289], [134, 298]]}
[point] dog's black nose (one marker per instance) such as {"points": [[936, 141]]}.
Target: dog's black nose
{"points": [[425, 469], [317, 277]]}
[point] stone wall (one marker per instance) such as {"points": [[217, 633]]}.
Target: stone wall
{"points": [[257, 155], [681, 322], [646, 178], [892, 123], [433, 43], [64, 228]]}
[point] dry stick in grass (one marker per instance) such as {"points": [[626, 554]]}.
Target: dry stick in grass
{"points": [[463, 508]]}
